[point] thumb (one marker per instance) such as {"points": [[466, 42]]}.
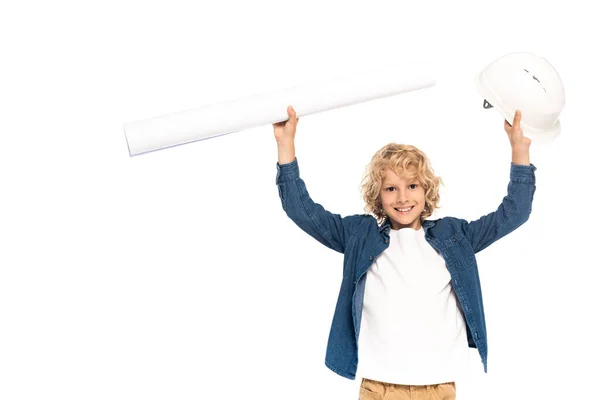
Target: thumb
{"points": [[517, 121]]}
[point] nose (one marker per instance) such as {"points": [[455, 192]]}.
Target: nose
{"points": [[402, 196]]}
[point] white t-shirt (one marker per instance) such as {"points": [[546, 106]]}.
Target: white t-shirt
{"points": [[412, 330]]}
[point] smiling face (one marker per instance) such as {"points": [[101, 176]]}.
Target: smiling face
{"points": [[403, 200]]}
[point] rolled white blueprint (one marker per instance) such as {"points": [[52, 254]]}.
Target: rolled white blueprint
{"points": [[268, 108]]}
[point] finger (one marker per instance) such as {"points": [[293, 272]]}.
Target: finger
{"points": [[517, 120], [293, 116]]}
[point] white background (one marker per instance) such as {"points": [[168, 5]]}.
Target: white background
{"points": [[177, 275]]}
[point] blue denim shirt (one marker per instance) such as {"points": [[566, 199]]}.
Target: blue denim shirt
{"points": [[362, 240]]}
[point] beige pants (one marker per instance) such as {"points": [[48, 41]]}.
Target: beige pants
{"points": [[375, 390]]}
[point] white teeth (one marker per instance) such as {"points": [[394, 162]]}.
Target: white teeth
{"points": [[403, 209]]}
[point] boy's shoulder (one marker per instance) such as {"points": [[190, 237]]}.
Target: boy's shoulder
{"points": [[448, 223], [448, 230]]}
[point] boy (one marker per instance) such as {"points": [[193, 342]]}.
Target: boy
{"points": [[412, 284]]}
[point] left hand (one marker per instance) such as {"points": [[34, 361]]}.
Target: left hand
{"points": [[515, 134]]}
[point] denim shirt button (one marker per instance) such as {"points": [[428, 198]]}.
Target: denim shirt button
{"points": [[370, 258], [387, 241]]}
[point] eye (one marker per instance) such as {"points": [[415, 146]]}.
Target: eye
{"points": [[414, 184], [390, 189]]}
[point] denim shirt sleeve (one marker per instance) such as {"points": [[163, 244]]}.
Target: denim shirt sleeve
{"points": [[512, 213], [330, 229]]}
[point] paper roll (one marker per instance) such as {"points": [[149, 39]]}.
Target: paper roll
{"points": [[268, 108]]}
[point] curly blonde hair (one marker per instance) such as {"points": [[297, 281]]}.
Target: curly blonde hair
{"points": [[399, 158]]}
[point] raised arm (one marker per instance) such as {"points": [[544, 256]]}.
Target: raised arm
{"points": [[516, 205], [330, 229]]}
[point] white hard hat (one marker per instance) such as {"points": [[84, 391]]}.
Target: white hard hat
{"points": [[526, 82]]}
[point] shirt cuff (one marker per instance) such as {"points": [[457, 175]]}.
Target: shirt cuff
{"points": [[522, 173], [287, 171]]}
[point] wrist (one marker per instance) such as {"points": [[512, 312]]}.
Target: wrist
{"points": [[286, 153], [520, 157], [285, 143]]}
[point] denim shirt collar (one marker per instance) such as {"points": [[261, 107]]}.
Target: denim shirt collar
{"points": [[387, 225]]}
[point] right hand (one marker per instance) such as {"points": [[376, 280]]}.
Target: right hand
{"points": [[285, 131]]}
